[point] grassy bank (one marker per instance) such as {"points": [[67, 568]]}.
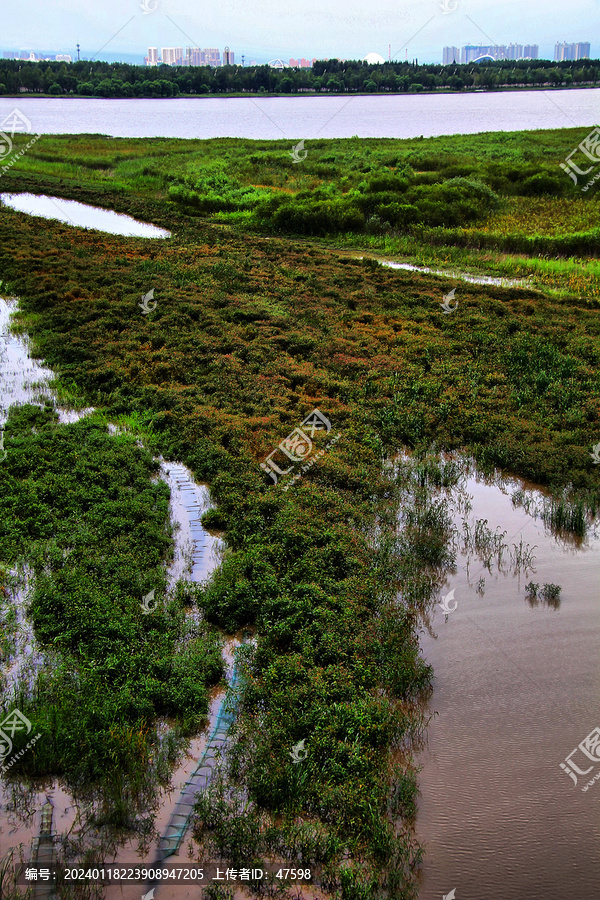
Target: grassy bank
{"points": [[493, 202], [249, 335]]}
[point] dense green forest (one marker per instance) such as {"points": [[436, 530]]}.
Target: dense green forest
{"points": [[102, 79]]}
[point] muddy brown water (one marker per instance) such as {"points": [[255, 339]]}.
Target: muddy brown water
{"points": [[517, 689]]}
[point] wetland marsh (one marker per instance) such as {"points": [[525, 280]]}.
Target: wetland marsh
{"points": [[262, 315]]}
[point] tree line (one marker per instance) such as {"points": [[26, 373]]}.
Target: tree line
{"points": [[101, 79]]}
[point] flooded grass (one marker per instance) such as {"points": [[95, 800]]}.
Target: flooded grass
{"points": [[334, 578]]}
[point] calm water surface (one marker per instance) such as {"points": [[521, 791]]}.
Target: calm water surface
{"points": [[517, 688], [82, 215], [261, 118]]}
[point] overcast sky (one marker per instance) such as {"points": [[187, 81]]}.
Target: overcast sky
{"points": [[265, 29]]}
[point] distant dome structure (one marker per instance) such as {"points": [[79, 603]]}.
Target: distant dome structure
{"points": [[279, 64], [485, 58], [374, 59]]}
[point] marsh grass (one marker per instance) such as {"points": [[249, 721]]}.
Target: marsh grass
{"points": [[95, 539], [9, 888], [549, 594], [567, 514], [250, 335]]}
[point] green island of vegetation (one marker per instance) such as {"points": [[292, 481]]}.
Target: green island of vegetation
{"points": [[270, 302]]}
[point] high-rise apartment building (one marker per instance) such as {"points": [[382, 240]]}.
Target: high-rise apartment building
{"points": [[566, 51], [152, 58], [194, 56], [172, 56], [471, 52], [212, 56]]}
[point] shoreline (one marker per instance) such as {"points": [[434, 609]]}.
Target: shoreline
{"points": [[237, 95]]}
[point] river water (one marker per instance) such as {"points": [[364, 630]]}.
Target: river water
{"points": [[517, 689], [310, 117]]}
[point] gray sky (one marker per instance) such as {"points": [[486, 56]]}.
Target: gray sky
{"points": [[265, 29]]}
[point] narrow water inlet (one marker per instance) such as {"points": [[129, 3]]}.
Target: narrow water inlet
{"points": [[82, 215], [22, 378], [459, 276]]}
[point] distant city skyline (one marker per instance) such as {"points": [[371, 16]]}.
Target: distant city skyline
{"points": [[194, 56], [122, 30], [473, 52]]}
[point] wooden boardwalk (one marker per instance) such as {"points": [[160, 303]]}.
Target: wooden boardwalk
{"points": [[175, 831], [42, 853]]}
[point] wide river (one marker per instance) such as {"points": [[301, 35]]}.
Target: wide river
{"points": [[267, 118]]}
